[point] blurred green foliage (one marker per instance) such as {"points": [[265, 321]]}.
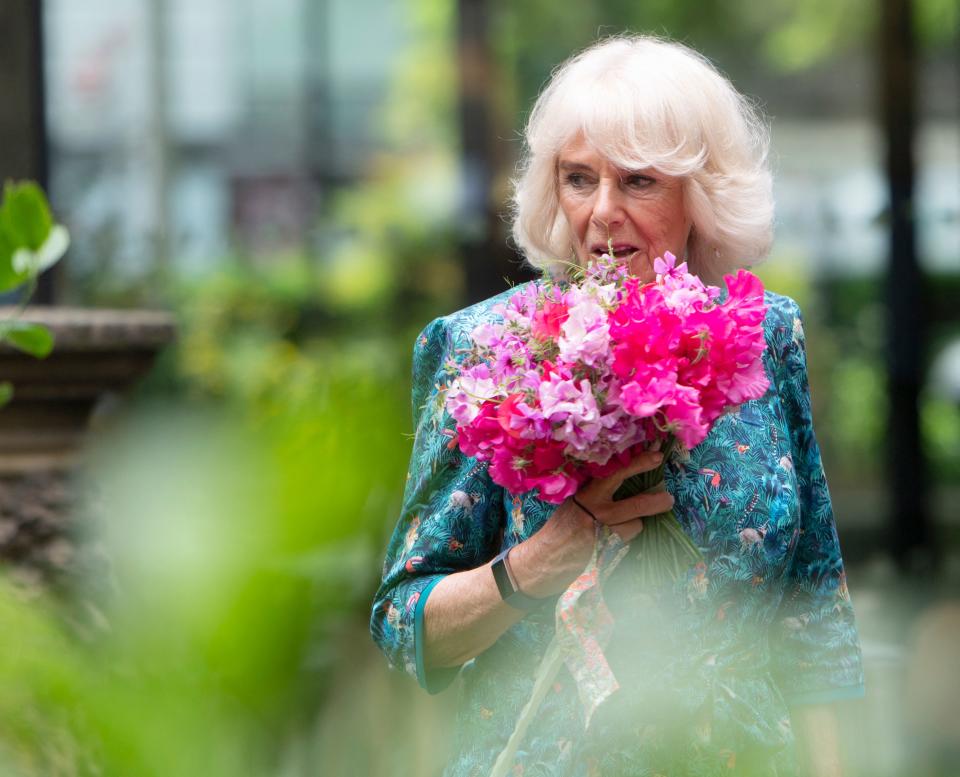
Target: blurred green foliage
{"points": [[239, 512], [849, 340], [238, 545], [30, 242]]}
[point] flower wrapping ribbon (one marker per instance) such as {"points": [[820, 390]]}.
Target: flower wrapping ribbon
{"points": [[584, 628], [585, 625]]}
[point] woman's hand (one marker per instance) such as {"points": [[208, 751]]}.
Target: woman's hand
{"points": [[551, 559], [465, 613]]}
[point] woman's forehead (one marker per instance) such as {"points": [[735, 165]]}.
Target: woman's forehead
{"points": [[580, 152]]}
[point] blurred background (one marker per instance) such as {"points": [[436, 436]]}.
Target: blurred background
{"points": [[302, 185]]}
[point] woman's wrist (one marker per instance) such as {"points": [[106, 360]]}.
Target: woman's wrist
{"points": [[546, 563], [524, 570], [510, 590], [509, 565]]}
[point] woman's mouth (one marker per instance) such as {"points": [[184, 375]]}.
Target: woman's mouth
{"points": [[619, 251]]}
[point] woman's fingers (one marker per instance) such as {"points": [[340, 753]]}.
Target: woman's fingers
{"points": [[636, 507], [604, 488], [627, 531], [625, 517]]}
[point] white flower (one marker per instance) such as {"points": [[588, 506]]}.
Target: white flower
{"points": [[27, 262], [585, 334]]}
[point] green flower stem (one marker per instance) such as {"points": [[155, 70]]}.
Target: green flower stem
{"points": [[546, 672], [663, 549]]}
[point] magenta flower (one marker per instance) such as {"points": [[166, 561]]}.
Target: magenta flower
{"points": [[548, 320], [685, 417], [653, 387]]}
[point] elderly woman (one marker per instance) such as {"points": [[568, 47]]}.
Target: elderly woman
{"points": [[640, 144]]}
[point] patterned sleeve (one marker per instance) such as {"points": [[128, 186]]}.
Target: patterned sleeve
{"points": [[450, 519], [815, 646]]}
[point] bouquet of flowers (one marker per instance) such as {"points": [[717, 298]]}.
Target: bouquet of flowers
{"points": [[579, 377], [574, 381]]}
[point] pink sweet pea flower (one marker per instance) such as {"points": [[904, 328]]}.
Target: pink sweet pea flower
{"points": [[508, 468], [474, 386], [557, 486], [572, 409], [483, 435], [548, 320], [586, 334], [684, 417], [511, 419]]}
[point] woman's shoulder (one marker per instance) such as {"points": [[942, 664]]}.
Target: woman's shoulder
{"points": [[780, 307], [783, 325], [455, 326]]}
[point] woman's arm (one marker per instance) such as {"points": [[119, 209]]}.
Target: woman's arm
{"points": [[465, 614], [818, 744], [815, 650]]}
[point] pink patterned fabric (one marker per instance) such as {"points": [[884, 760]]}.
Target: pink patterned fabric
{"points": [[585, 625]]}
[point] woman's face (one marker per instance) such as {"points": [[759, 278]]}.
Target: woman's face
{"points": [[641, 211]]}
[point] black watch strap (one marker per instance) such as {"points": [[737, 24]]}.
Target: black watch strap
{"points": [[513, 596]]}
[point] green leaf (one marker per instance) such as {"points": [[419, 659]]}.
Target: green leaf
{"points": [[25, 215], [25, 224], [9, 278], [6, 392], [34, 339]]}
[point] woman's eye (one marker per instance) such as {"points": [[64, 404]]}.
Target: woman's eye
{"points": [[638, 181], [576, 180]]}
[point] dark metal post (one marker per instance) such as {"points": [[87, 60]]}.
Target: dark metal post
{"points": [[23, 128], [486, 257], [912, 535]]}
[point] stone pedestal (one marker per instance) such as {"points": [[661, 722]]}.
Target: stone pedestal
{"points": [[97, 356]]}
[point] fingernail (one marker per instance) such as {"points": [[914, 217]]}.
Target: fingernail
{"points": [[657, 457]]}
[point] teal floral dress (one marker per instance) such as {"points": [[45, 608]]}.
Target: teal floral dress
{"points": [[707, 668]]}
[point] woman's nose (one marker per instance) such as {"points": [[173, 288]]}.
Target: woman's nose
{"points": [[607, 207]]}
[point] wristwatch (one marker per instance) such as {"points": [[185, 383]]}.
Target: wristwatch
{"points": [[508, 591]]}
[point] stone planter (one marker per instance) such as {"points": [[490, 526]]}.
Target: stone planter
{"points": [[98, 355]]}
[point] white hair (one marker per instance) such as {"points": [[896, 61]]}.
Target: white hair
{"points": [[645, 102]]}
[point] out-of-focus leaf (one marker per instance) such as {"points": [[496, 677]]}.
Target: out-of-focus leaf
{"points": [[813, 32], [6, 392], [936, 22], [30, 263], [30, 242], [25, 214], [34, 339], [9, 278]]}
